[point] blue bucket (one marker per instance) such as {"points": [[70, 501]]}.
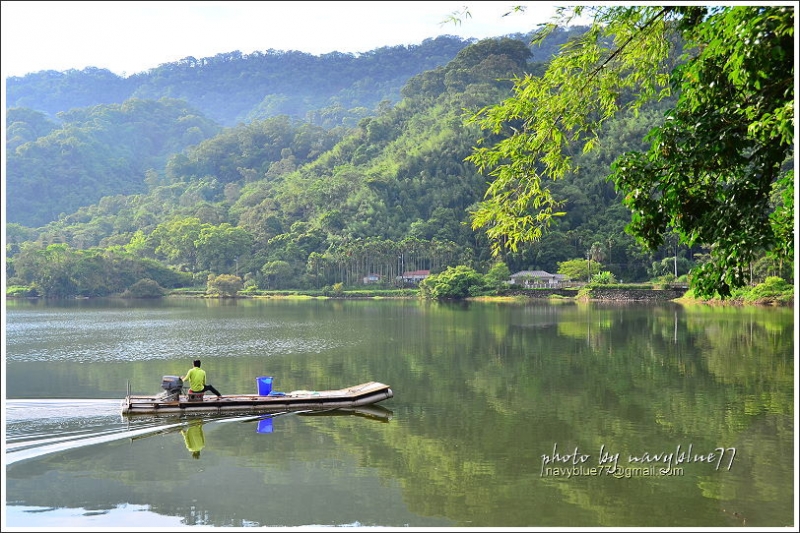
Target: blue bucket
{"points": [[264, 385], [264, 426]]}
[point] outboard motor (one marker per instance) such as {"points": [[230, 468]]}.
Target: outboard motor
{"points": [[173, 386]]}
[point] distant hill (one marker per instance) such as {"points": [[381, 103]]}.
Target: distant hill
{"points": [[230, 88], [104, 150]]}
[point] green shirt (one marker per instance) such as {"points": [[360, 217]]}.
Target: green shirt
{"points": [[197, 378]]}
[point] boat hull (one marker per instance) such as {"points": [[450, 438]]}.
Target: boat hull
{"points": [[357, 396]]}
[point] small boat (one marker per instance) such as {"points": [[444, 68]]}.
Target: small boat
{"points": [[173, 400]]}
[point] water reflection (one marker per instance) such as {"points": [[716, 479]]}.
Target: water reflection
{"points": [[371, 412], [481, 393], [264, 425], [194, 438]]}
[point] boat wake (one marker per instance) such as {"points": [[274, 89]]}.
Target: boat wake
{"points": [[40, 427], [38, 449]]}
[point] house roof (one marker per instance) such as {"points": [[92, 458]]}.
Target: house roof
{"points": [[536, 274]]}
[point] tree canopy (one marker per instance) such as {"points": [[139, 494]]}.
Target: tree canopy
{"points": [[716, 172]]}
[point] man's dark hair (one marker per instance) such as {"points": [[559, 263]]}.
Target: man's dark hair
{"points": [[197, 362]]}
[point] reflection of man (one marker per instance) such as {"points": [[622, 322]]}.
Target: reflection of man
{"points": [[194, 438]]}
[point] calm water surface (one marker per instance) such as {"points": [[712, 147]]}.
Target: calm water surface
{"points": [[505, 415]]}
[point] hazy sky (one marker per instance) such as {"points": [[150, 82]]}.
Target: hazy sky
{"points": [[132, 37]]}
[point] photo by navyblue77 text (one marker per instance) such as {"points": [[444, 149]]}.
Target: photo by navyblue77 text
{"points": [[662, 463]]}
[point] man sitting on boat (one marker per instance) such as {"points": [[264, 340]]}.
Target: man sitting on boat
{"points": [[196, 377]]}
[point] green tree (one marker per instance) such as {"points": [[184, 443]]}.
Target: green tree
{"points": [[454, 283], [275, 272], [137, 244], [145, 288], [498, 275], [218, 247], [176, 240], [224, 285], [50, 269], [670, 265], [579, 269], [712, 167]]}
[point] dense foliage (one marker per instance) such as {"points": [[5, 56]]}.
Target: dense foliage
{"points": [[714, 166], [61, 271], [716, 172]]}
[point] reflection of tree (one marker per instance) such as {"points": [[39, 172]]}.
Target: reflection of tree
{"points": [[639, 386], [194, 438]]}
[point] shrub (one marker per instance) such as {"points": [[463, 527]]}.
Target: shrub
{"points": [[664, 282], [225, 285], [455, 282], [773, 288], [604, 278], [21, 291], [144, 288]]}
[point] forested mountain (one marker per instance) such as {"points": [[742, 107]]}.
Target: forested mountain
{"points": [[330, 90], [103, 150], [285, 202], [72, 127]]}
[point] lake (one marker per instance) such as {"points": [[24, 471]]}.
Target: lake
{"points": [[531, 414]]}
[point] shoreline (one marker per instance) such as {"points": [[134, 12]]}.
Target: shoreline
{"points": [[605, 295]]}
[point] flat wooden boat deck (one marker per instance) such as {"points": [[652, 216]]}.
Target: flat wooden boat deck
{"points": [[356, 396]]}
